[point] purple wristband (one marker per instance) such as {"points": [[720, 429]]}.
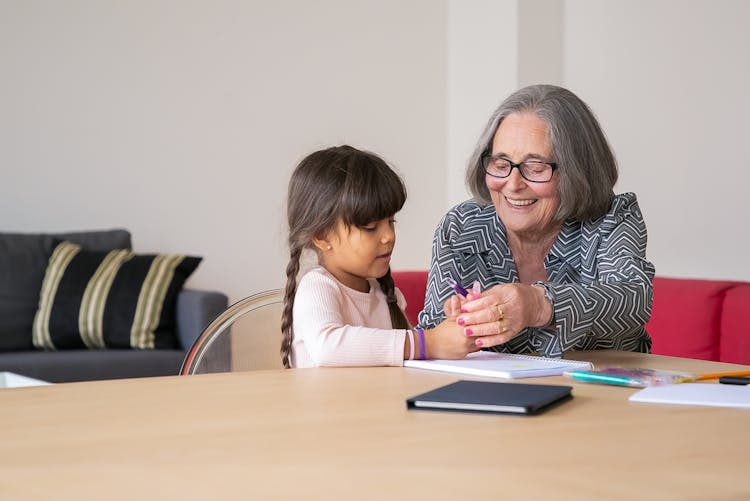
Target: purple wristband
{"points": [[421, 343]]}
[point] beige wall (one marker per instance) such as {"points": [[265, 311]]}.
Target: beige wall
{"points": [[182, 120], [482, 48], [669, 81]]}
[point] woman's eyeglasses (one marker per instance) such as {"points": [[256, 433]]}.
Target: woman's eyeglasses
{"points": [[531, 170]]}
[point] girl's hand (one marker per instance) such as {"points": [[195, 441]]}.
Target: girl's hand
{"points": [[448, 340], [452, 307], [502, 312]]}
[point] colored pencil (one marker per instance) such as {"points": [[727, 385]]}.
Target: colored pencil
{"points": [[717, 375]]}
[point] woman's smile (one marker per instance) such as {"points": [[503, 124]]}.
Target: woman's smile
{"points": [[513, 202]]}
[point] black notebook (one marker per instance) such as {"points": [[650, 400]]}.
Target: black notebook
{"points": [[482, 396]]}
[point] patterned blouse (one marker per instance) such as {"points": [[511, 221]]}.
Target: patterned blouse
{"points": [[599, 279]]}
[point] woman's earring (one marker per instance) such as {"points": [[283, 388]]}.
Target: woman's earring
{"points": [[328, 247]]}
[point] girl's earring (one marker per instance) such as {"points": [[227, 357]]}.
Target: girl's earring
{"points": [[328, 247]]}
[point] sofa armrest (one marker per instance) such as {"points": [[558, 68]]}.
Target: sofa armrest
{"points": [[195, 310], [686, 316], [734, 344]]}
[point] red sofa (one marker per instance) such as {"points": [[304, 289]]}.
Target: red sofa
{"points": [[704, 319]]}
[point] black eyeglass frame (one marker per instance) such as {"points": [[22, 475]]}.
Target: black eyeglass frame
{"points": [[487, 156]]}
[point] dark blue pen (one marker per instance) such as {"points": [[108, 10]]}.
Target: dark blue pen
{"points": [[734, 380], [457, 287]]}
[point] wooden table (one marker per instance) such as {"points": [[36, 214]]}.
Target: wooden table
{"points": [[346, 434]]}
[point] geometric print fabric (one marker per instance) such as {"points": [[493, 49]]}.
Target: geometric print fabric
{"points": [[598, 276]]}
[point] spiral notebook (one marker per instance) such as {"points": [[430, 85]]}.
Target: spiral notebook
{"points": [[502, 365]]}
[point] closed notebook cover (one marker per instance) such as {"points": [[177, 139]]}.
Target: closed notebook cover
{"points": [[494, 397]]}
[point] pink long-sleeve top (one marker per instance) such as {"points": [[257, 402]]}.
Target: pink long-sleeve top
{"points": [[335, 325]]}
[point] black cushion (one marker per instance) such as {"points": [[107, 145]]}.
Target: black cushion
{"points": [[23, 260], [114, 299]]}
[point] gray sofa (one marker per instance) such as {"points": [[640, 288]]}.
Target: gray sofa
{"points": [[23, 261]]}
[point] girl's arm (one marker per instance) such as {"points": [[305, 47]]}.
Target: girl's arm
{"points": [[328, 340]]}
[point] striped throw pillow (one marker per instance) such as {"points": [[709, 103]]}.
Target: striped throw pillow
{"points": [[114, 299]]}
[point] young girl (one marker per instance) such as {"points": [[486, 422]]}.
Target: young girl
{"points": [[346, 311]]}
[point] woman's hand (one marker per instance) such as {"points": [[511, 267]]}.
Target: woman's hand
{"points": [[503, 311]]}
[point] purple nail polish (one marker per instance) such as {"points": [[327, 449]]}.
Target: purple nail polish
{"points": [[479, 342], [460, 321], [468, 332]]}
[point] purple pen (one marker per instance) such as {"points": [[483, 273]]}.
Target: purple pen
{"points": [[457, 287]]}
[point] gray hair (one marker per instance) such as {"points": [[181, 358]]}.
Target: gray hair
{"points": [[587, 168]]}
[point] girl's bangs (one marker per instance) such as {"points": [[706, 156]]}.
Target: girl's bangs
{"points": [[376, 195]]}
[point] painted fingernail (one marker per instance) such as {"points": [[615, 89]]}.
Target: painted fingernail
{"points": [[463, 310], [468, 332], [460, 321], [479, 342]]}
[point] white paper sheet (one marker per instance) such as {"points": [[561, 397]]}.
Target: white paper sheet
{"points": [[711, 394]]}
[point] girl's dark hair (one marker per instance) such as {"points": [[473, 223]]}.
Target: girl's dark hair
{"points": [[331, 185]]}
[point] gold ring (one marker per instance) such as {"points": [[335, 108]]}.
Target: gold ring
{"points": [[500, 312], [500, 327]]}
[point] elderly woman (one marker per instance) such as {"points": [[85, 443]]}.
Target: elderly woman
{"points": [[558, 261]]}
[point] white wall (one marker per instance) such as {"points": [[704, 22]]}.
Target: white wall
{"points": [[669, 82], [482, 48], [182, 120], [540, 42]]}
